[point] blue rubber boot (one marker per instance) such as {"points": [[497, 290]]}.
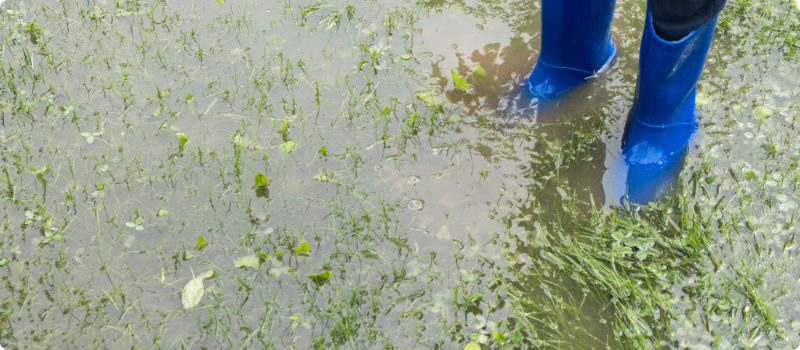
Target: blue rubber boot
{"points": [[663, 116], [576, 45]]}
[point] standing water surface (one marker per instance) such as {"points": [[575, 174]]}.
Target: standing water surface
{"points": [[370, 175]]}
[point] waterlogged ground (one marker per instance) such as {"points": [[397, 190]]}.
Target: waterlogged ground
{"points": [[300, 174]]}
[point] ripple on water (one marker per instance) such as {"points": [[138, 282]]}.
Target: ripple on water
{"points": [[416, 204], [413, 180]]}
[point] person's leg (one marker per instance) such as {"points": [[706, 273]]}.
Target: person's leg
{"points": [[575, 45], [675, 19]]}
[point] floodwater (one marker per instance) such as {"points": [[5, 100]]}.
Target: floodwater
{"points": [[424, 202]]}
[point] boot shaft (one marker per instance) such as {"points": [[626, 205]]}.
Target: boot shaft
{"points": [[575, 33], [663, 116], [668, 74]]}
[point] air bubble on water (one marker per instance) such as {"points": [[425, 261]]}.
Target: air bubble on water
{"points": [[415, 204], [412, 180]]}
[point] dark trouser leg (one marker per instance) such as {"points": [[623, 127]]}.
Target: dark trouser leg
{"points": [[674, 19]]}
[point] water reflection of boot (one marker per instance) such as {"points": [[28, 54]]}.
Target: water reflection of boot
{"points": [[648, 182], [629, 184], [576, 45]]}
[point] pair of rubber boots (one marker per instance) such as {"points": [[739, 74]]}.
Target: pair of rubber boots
{"points": [[576, 46]]}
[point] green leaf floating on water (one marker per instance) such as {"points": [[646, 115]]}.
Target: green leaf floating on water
{"points": [[182, 140], [516, 337], [162, 212], [288, 146], [201, 243], [459, 82], [320, 278], [478, 72], [303, 249], [475, 296], [429, 97], [323, 151], [761, 112], [248, 261], [700, 99], [672, 277], [641, 255], [193, 291], [724, 304], [472, 346], [323, 176], [284, 126], [4, 261], [260, 180], [499, 336]]}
